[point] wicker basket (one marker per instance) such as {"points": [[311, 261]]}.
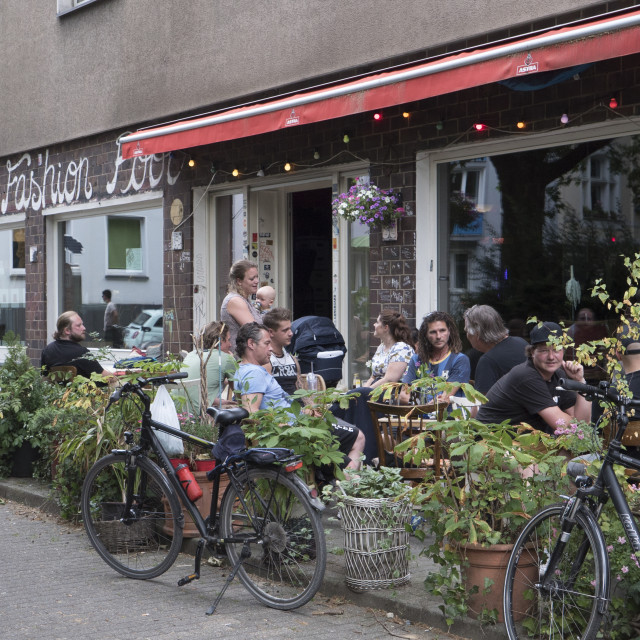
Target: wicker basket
{"points": [[376, 543], [118, 537]]}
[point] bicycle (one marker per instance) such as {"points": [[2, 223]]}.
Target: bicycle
{"points": [[269, 522], [559, 567]]}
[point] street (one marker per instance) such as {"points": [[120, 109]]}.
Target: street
{"points": [[55, 587]]}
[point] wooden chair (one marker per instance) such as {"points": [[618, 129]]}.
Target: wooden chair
{"points": [[322, 386], [395, 423], [62, 373]]}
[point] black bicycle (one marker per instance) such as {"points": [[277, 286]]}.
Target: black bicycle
{"points": [[269, 522], [557, 583]]}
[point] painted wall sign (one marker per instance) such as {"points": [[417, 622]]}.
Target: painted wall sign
{"points": [[33, 184]]}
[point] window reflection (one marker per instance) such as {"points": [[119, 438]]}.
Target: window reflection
{"points": [[121, 253]]}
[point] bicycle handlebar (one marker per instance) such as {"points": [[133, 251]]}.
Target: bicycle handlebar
{"points": [[609, 394], [165, 378]]}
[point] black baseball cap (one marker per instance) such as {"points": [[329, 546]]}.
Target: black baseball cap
{"points": [[541, 333]]}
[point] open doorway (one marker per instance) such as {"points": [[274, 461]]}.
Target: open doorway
{"points": [[311, 244]]}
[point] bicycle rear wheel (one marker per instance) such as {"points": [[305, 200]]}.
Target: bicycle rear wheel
{"points": [[144, 542], [568, 608], [283, 533]]}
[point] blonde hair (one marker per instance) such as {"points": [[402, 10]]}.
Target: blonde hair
{"points": [[237, 272]]}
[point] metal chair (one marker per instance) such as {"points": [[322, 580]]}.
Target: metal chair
{"points": [[395, 423]]}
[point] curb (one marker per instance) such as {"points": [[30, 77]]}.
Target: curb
{"points": [[408, 602]]}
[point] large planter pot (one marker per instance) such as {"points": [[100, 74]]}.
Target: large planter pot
{"points": [[491, 562], [203, 503], [376, 543]]}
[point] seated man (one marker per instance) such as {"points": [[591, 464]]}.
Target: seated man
{"points": [[528, 392], [66, 347], [283, 366], [500, 352], [259, 389]]}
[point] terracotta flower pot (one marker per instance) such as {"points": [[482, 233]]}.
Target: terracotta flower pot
{"points": [[203, 503], [491, 562]]}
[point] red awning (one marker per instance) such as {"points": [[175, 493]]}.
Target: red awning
{"points": [[558, 49]]}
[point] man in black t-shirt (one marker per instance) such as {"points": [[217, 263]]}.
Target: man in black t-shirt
{"points": [[66, 348], [528, 392], [500, 352]]}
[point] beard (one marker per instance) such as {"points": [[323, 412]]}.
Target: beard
{"points": [[76, 337]]}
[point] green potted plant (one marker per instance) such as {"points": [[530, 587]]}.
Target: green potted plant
{"points": [[304, 427], [376, 515], [23, 392], [496, 477]]}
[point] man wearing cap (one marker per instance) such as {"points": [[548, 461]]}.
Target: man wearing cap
{"points": [[528, 392]]}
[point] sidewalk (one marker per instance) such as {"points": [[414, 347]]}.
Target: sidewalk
{"points": [[409, 601]]}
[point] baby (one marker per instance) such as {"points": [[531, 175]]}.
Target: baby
{"points": [[265, 297]]}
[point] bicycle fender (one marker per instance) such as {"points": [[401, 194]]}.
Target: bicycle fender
{"points": [[316, 503], [603, 603]]}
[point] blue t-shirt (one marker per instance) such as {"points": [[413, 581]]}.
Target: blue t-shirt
{"points": [[251, 378], [455, 368]]}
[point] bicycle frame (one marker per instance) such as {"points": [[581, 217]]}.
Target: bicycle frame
{"points": [[606, 485], [149, 440], [607, 480]]}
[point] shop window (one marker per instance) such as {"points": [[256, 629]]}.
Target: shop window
{"points": [[122, 253], [12, 282], [516, 240]]}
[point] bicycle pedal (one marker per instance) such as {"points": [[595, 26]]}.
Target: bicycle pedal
{"points": [[188, 579]]}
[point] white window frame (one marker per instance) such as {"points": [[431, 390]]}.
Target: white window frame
{"points": [[8, 223], [144, 248]]}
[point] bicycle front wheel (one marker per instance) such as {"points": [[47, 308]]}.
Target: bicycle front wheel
{"points": [[283, 534], [569, 606], [143, 541]]}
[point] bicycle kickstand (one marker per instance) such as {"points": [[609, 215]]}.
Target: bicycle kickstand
{"points": [[244, 554], [196, 571]]}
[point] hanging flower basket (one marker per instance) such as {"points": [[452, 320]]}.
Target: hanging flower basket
{"points": [[370, 205]]}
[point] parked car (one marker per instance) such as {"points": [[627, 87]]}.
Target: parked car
{"points": [[144, 330]]}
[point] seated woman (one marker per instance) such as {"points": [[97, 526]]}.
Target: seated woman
{"points": [[219, 366], [390, 360], [439, 355], [388, 365]]}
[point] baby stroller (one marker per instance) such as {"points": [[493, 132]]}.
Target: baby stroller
{"points": [[317, 341]]}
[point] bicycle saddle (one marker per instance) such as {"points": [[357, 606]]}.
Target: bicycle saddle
{"points": [[226, 417]]}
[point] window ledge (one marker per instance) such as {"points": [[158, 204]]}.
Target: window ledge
{"points": [[64, 10], [125, 276]]}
